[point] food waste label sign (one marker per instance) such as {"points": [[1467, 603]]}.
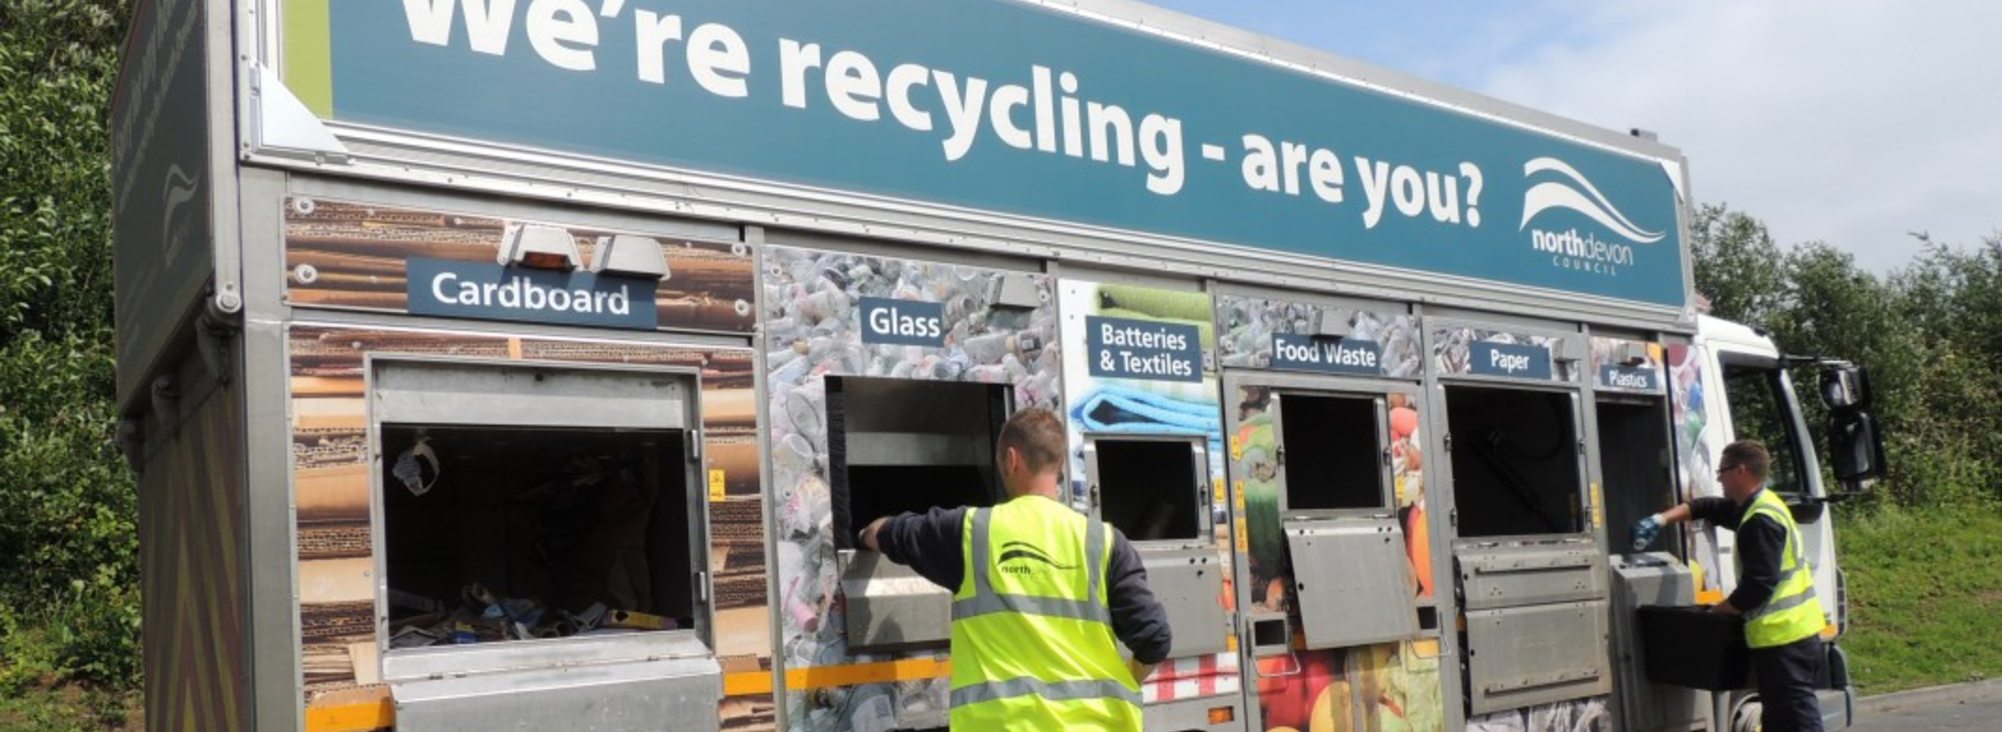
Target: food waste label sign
{"points": [[1011, 107], [488, 291], [1326, 355], [1143, 349]]}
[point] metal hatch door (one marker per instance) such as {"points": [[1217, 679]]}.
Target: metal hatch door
{"points": [[1183, 568], [1354, 580], [1536, 612], [599, 679]]}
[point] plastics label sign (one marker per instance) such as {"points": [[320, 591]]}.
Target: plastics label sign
{"points": [[1326, 355], [1631, 378], [1143, 349], [493, 292], [1006, 106]]}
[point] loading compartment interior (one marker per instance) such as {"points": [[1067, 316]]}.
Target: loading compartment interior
{"points": [[1515, 461], [899, 445], [1151, 490], [1634, 462], [1332, 448], [548, 522]]}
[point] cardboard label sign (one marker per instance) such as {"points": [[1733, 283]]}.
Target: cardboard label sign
{"points": [[1511, 360], [493, 292], [1123, 348], [903, 322]]}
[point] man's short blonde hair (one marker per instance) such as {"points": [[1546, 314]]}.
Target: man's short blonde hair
{"points": [[1038, 434]]}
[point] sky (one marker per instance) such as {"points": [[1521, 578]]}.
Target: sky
{"points": [[1850, 122]]}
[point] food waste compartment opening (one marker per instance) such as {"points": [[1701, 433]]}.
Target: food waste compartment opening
{"points": [[541, 550], [1352, 576], [898, 445]]}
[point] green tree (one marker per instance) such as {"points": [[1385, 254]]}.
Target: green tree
{"points": [[68, 538], [1738, 267]]}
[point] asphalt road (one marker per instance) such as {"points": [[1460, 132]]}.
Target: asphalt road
{"points": [[1962, 708]]}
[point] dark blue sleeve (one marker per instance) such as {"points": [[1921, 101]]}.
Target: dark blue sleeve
{"points": [[1760, 543], [1717, 510], [1137, 618], [928, 542]]}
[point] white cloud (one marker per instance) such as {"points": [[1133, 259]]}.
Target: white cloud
{"points": [[1846, 122]]}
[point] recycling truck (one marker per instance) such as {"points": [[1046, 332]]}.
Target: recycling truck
{"points": [[529, 364]]}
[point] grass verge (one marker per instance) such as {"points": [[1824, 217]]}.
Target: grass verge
{"points": [[1925, 596]]}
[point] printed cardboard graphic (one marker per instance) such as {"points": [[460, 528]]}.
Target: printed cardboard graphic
{"points": [[363, 256], [1011, 107]]}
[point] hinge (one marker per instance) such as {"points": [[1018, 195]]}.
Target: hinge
{"points": [[1386, 457], [1447, 441], [691, 443], [1453, 518], [702, 586]]}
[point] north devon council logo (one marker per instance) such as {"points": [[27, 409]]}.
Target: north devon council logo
{"points": [[1563, 187], [1021, 557]]}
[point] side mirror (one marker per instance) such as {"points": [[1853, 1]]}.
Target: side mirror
{"points": [[1855, 447], [1845, 386]]}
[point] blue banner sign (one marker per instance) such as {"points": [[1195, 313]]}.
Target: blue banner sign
{"points": [[490, 291], [1326, 355], [1630, 378], [1510, 359], [1123, 348], [903, 322], [1012, 107]]}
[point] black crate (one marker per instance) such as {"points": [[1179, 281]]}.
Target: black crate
{"points": [[1695, 648]]}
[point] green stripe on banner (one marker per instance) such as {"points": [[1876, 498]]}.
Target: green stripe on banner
{"points": [[309, 67]]}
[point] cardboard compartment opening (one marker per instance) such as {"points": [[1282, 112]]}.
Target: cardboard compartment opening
{"points": [[1515, 461], [899, 445], [1333, 453], [1634, 461], [516, 534], [1149, 489]]}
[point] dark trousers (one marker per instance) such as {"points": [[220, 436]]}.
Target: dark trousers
{"points": [[1787, 677]]}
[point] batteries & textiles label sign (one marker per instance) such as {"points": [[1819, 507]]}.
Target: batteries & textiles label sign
{"points": [[1122, 348], [493, 292]]}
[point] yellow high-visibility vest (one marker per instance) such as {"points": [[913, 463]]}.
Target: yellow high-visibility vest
{"points": [[1032, 640], [1793, 612]]}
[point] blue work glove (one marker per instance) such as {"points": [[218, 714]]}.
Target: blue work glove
{"points": [[1645, 531]]}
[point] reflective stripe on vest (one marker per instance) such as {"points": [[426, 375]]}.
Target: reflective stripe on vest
{"points": [[1032, 639], [1793, 611]]}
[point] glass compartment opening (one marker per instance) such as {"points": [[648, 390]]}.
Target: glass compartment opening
{"points": [[898, 445]]}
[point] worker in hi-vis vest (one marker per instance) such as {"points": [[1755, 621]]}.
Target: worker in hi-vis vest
{"points": [[1775, 593], [1042, 596]]}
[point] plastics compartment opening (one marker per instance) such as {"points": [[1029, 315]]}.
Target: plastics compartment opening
{"points": [[899, 445], [516, 533], [1333, 454], [1515, 461], [1149, 489], [1633, 458]]}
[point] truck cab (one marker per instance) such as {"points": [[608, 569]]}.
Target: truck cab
{"points": [[1752, 394]]}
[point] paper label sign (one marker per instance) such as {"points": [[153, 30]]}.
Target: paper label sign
{"points": [[903, 322], [1510, 359], [1143, 349], [492, 292], [1326, 355]]}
